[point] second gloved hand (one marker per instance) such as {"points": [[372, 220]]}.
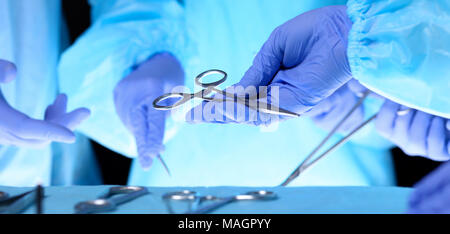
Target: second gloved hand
{"points": [[18, 129], [305, 59], [133, 98], [415, 132], [330, 111]]}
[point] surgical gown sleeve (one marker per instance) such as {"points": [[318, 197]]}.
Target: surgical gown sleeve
{"points": [[122, 35], [401, 50]]}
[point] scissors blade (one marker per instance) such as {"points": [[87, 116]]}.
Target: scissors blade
{"points": [[164, 165]]}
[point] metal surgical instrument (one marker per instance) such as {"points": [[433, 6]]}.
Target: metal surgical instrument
{"points": [[211, 88], [17, 204], [109, 201], [197, 200], [307, 161], [3, 196]]}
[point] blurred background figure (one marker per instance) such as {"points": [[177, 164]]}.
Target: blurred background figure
{"points": [[34, 120]]}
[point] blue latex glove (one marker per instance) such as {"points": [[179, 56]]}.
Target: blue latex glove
{"points": [[18, 129], [333, 109], [432, 194], [133, 98], [306, 58], [416, 133]]}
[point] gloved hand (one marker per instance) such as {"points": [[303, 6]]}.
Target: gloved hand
{"points": [[330, 111], [432, 194], [18, 129], [133, 98], [416, 133], [306, 58]]}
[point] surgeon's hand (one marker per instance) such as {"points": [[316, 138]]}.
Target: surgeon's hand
{"points": [[330, 111], [306, 58], [416, 133], [133, 98], [432, 194], [18, 129]]}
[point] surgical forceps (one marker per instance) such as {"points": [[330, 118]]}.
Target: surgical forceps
{"points": [[211, 88], [196, 200], [17, 204], [306, 162], [109, 201]]}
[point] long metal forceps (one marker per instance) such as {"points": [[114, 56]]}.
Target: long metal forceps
{"points": [[109, 201], [306, 162], [211, 88]]}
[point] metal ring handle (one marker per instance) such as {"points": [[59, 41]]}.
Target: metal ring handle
{"points": [[182, 100], [181, 195], [210, 72], [257, 195], [98, 205], [125, 189]]}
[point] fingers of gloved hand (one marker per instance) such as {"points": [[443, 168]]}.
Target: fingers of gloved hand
{"points": [[357, 88], [41, 130], [240, 105], [148, 130], [385, 121], [339, 105], [7, 138], [266, 63], [228, 112], [400, 134], [73, 119], [417, 134], [437, 140], [138, 120], [58, 107], [8, 71]]}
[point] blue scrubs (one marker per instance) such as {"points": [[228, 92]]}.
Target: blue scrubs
{"points": [[224, 34], [31, 37]]}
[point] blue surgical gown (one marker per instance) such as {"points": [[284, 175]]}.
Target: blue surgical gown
{"points": [[31, 36], [224, 34]]}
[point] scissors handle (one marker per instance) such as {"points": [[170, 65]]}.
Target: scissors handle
{"points": [[120, 199], [211, 72], [209, 208], [110, 201]]}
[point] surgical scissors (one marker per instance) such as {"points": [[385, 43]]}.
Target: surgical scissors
{"points": [[109, 201], [211, 88], [306, 162], [196, 200]]}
